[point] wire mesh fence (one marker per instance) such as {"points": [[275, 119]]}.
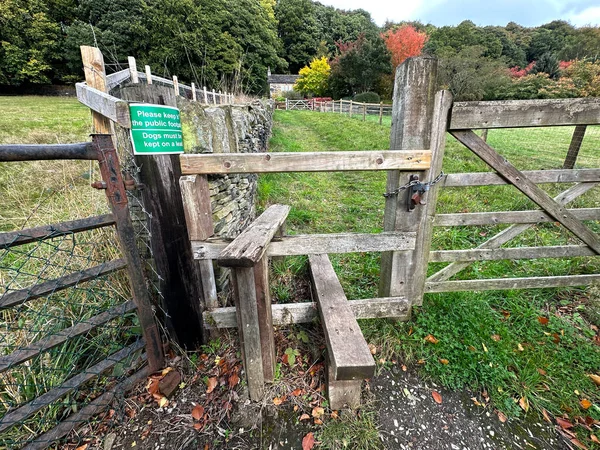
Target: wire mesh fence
{"points": [[68, 330]]}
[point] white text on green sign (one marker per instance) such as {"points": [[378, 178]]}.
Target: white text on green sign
{"points": [[155, 129]]}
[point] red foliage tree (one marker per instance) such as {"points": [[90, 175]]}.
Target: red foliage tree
{"points": [[404, 42]]}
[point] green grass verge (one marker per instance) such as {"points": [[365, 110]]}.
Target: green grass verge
{"points": [[491, 340]]}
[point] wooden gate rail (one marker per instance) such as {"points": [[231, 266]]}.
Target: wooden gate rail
{"points": [[536, 176]]}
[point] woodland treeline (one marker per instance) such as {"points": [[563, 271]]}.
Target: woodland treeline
{"points": [[228, 44]]}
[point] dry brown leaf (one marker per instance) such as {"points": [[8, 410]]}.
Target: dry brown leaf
{"points": [[595, 378], [278, 400], [543, 320], [496, 337], [308, 442], [541, 371], [234, 380], [594, 439], [318, 422], [304, 417], [546, 416], [166, 371], [82, 447], [317, 412], [197, 412], [297, 392], [421, 361], [429, 338], [520, 347], [501, 416], [212, 384], [585, 403], [198, 426], [524, 403], [296, 408], [563, 423], [404, 368], [410, 331], [444, 361], [472, 348], [437, 397], [555, 338], [334, 414], [373, 349], [206, 447], [152, 386], [578, 444]]}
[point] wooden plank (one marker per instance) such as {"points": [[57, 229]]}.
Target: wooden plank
{"points": [[412, 113], [314, 243], [290, 313], [574, 146], [525, 113], [489, 254], [195, 194], [13, 298], [250, 246], [494, 218], [511, 232], [349, 354], [89, 411], [133, 69], [418, 260], [108, 106], [148, 74], [225, 163], [95, 77], [20, 414], [342, 394], [527, 187], [537, 176], [29, 235], [26, 353], [249, 330], [115, 79], [265, 318], [511, 283]]}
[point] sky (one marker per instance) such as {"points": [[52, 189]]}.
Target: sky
{"points": [[491, 12]]}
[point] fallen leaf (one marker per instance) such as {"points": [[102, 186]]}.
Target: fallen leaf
{"points": [[585, 403], [520, 347], [546, 416], [404, 368], [577, 443], [496, 337], [429, 338], [133, 444], [198, 412], [166, 371], [524, 403], [317, 412], [278, 400], [234, 380], [555, 338], [541, 371], [304, 417], [437, 397], [373, 349], [198, 426], [472, 348], [163, 402], [421, 361], [595, 378], [484, 347], [152, 386], [82, 447], [502, 417], [318, 422], [212, 384], [308, 442], [444, 361], [334, 414], [505, 313], [594, 439], [564, 424], [297, 392], [410, 331], [543, 320], [477, 402]]}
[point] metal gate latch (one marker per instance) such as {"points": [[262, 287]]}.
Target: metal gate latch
{"points": [[416, 192]]}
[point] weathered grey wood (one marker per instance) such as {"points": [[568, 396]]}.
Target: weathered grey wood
{"points": [[314, 243], [349, 354], [111, 107], [527, 187], [194, 98], [195, 194], [265, 318], [574, 146], [87, 412], [249, 329], [412, 111], [148, 74], [290, 313], [511, 232], [13, 298], [225, 163], [176, 85], [21, 237], [493, 218], [133, 69], [250, 246], [537, 176], [117, 78], [525, 113], [209, 283], [342, 394], [26, 353], [511, 283], [420, 257], [559, 251], [18, 415]]}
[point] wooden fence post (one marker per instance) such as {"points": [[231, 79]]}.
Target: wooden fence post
{"points": [[148, 75], [176, 85], [286, 104], [412, 112], [380, 113], [194, 92], [214, 97], [205, 96], [350, 108], [364, 112], [133, 69], [341, 106]]}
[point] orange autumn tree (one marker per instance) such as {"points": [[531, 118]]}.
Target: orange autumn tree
{"points": [[404, 42]]}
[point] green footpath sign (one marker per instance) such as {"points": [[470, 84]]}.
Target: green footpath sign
{"points": [[155, 129]]}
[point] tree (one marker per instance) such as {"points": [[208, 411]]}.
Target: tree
{"points": [[314, 79], [404, 42], [298, 31]]}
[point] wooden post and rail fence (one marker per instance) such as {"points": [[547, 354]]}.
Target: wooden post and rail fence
{"points": [[342, 107]]}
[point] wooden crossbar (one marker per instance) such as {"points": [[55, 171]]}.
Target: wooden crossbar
{"points": [[349, 353], [537, 176]]}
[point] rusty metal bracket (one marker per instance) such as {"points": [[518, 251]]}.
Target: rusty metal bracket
{"points": [[110, 168]]}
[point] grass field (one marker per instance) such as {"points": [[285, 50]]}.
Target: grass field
{"points": [[488, 341]]}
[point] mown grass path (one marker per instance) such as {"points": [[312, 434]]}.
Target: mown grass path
{"points": [[497, 342]]}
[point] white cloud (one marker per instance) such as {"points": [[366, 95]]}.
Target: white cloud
{"points": [[382, 9], [590, 16]]}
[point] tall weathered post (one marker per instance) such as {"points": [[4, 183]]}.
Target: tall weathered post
{"points": [[412, 113]]}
